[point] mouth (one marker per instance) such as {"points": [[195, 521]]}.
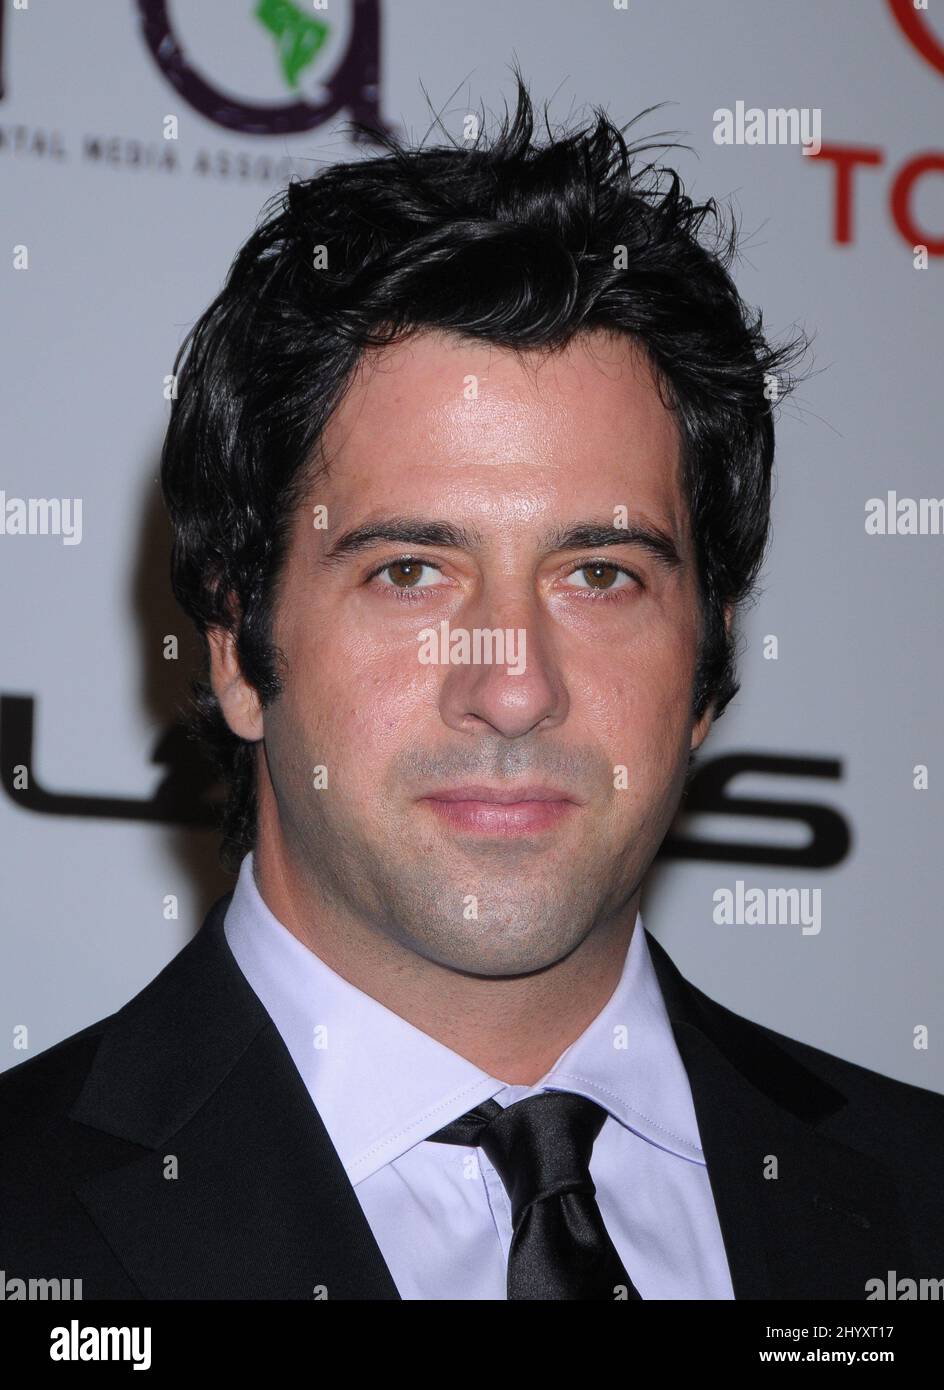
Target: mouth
{"points": [[504, 811]]}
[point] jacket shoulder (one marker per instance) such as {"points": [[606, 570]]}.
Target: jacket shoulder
{"points": [[895, 1121], [43, 1087], [865, 1088], [759, 1052], [46, 1085], [755, 1049]]}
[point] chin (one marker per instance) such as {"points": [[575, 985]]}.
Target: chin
{"points": [[518, 960]]}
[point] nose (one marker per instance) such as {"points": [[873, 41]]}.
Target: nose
{"points": [[510, 680]]}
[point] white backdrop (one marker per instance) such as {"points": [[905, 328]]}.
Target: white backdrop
{"points": [[128, 237]]}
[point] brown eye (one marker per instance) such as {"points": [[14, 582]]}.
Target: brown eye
{"points": [[406, 574], [407, 570], [601, 576]]}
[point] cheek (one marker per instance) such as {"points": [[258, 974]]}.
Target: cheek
{"points": [[641, 699], [639, 712], [360, 703]]}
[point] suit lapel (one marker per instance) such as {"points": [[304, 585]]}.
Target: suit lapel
{"points": [[239, 1192], [830, 1219]]}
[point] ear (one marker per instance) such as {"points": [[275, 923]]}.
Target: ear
{"points": [[701, 728], [239, 701]]}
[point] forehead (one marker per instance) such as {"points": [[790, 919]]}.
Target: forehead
{"points": [[439, 418]]}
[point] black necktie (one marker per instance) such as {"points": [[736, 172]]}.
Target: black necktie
{"points": [[541, 1148]]}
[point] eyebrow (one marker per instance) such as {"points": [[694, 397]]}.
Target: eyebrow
{"points": [[420, 531]]}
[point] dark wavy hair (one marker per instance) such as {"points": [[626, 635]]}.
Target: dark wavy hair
{"points": [[518, 243]]}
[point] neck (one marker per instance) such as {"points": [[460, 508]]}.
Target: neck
{"points": [[513, 1027]]}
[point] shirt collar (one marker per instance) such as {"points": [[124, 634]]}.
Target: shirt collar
{"points": [[380, 1085]]}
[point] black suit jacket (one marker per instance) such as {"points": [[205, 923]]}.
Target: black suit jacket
{"points": [[192, 1069]]}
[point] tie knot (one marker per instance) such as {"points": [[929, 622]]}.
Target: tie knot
{"points": [[540, 1146]]}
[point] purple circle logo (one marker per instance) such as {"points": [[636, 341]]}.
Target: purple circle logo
{"points": [[301, 41]]}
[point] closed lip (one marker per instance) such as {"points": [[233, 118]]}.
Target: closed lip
{"points": [[500, 796]]}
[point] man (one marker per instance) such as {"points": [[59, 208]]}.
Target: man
{"points": [[469, 473]]}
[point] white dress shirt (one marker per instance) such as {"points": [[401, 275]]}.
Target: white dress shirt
{"points": [[439, 1212]]}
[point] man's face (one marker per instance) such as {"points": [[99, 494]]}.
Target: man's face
{"points": [[512, 454]]}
